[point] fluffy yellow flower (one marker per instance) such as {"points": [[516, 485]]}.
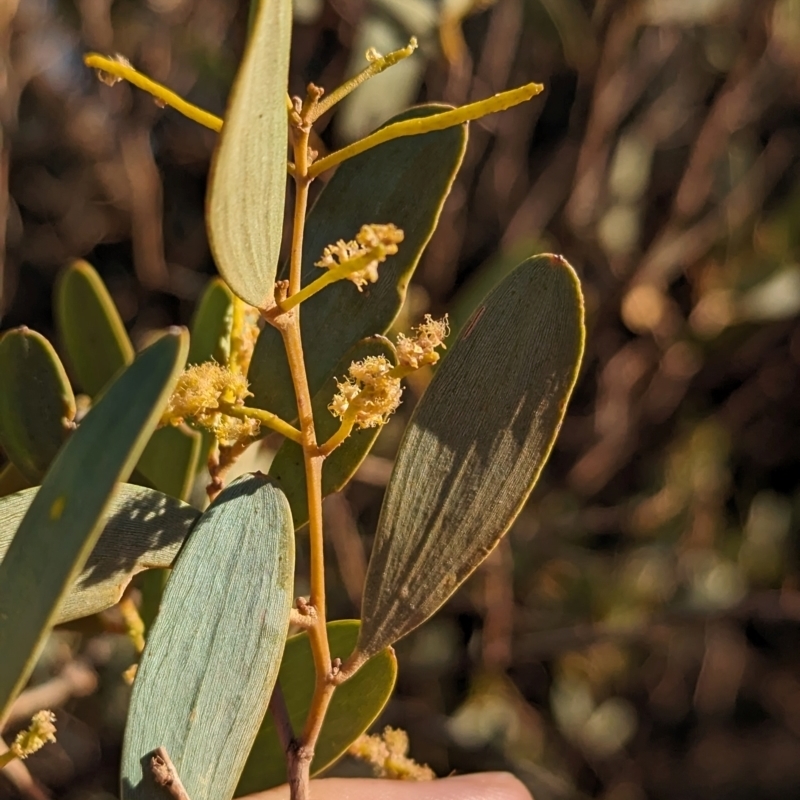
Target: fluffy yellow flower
{"points": [[198, 395], [415, 352], [41, 731], [372, 245], [369, 394]]}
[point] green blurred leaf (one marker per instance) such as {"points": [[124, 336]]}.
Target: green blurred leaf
{"points": [[95, 342], [354, 707], [288, 467], [211, 325], [474, 447], [169, 462], [36, 402], [64, 520], [404, 181], [144, 530], [212, 657], [248, 173]]}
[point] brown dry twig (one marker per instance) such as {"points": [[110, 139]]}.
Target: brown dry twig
{"points": [[165, 774]]}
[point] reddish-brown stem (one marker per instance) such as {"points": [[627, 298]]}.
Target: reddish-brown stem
{"points": [[301, 751]]}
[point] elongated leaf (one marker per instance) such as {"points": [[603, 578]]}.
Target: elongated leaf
{"points": [[144, 530], [211, 325], [288, 467], [36, 402], [354, 707], [169, 462], [474, 447], [213, 654], [405, 181], [64, 521], [95, 342], [248, 173]]}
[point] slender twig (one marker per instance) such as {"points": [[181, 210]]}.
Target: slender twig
{"points": [[116, 69], [266, 418], [375, 68], [122, 71], [332, 275], [434, 122], [345, 429], [165, 774], [302, 182], [301, 752]]}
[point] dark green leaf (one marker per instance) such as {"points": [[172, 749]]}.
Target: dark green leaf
{"points": [[36, 402], [211, 325], [96, 344], [354, 707], [144, 530], [404, 181], [169, 462], [248, 174], [474, 447], [213, 654], [64, 521], [288, 467]]}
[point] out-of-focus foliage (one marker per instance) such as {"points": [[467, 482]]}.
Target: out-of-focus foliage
{"points": [[637, 634]]}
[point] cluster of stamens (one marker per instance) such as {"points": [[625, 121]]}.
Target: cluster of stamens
{"points": [[200, 392], [372, 246]]}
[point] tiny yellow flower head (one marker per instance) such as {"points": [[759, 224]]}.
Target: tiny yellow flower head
{"points": [[41, 731], [358, 259], [370, 394], [387, 754], [106, 77], [198, 395], [420, 350]]}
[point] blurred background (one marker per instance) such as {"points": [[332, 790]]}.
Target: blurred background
{"points": [[637, 634]]}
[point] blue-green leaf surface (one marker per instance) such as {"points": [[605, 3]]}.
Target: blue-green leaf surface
{"points": [[64, 521], [248, 173], [144, 530], [212, 656]]}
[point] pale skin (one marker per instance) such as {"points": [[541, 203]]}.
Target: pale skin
{"points": [[482, 786]]}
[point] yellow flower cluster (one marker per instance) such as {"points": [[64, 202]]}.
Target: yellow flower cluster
{"points": [[369, 395], [198, 395], [372, 245], [420, 350], [371, 392], [41, 731], [387, 754]]}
